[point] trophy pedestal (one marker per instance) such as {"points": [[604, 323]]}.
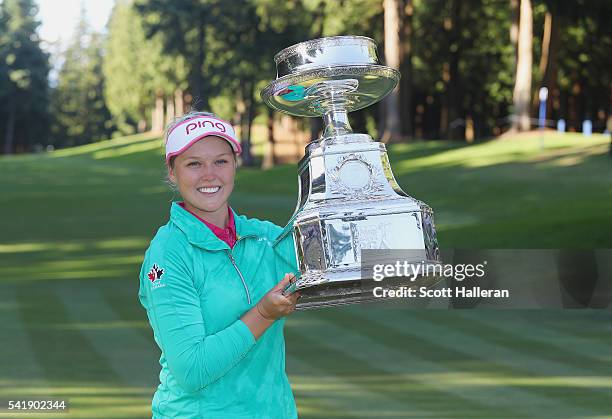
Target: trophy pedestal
{"points": [[348, 198], [350, 201]]}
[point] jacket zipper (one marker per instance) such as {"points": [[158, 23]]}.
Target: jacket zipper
{"points": [[248, 294]]}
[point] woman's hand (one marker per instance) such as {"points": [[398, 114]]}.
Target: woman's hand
{"points": [[274, 304], [271, 307]]}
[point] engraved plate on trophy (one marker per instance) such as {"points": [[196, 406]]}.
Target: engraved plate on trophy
{"points": [[348, 198]]}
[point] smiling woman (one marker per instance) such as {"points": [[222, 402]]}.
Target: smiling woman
{"points": [[209, 284]]}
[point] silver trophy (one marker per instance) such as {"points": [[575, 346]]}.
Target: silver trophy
{"points": [[348, 200]]}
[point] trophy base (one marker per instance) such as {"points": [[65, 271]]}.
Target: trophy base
{"points": [[334, 294]]}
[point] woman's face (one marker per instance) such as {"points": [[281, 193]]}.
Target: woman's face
{"points": [[204, 175]]}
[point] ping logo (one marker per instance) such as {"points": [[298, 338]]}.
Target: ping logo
{"points": [[202, 124]]}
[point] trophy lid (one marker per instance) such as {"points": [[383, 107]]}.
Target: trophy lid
{"points": [[326, 52], [338, 73]]}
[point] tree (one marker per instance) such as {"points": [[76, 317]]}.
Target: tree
{"points": [[547, 70], [23, 77], [184, 27], [583, 63], [461, 68], [79, 110], [350, 17], [126, 91], [406, 92], [136, 70], [392, 127], [522, 83], [257, 31]]}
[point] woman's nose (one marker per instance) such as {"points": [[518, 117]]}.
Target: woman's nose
{"points": [[208, 171]]}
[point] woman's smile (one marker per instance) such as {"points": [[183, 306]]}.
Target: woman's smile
{"points": [[209, 190]]}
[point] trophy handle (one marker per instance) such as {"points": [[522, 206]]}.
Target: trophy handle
{"points": [[292, 287]]}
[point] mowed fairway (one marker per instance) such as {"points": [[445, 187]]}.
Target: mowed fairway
{"points": [[74, 225]]}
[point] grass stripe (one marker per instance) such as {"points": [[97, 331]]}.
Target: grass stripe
{"points": [[488, 341], [494, 363], [20, 346], [320, 398], [20, 370], [312, 384], [530, 333], [434, 374], [125, 304], [127, 353], [385, 373], [594, 325], [65, 354]]}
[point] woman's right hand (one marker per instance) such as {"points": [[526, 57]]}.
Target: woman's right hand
{"points": [[274, 304]]}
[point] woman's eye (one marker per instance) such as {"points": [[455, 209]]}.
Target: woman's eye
{"points": [[193, 164], [221, 161]]}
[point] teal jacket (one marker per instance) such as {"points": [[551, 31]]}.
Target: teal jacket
{"points": [[195, 289]]}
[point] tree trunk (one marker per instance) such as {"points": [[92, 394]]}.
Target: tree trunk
{"points": [[246, 122], [269, 159], [9, 135], [157, 116], [522, 82], [141, 126], [200, 100], [179, 105], [455, 130], [316, 124], [170, 111], [392, 127], [514, 27], [444, 131], [548, 60], [406, 70], [575, 104]]}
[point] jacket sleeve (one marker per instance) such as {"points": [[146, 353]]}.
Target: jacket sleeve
{"points": [[195, 357]]}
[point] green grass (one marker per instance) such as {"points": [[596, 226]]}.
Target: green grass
{"points": [[74, 225]]}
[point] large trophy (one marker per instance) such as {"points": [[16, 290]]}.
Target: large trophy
{"points": [[348, 198]]}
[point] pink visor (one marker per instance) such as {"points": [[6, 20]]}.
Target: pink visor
{"points": [[184, 135]]}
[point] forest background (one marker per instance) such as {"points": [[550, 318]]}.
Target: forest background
{"points": [[470, 69]]}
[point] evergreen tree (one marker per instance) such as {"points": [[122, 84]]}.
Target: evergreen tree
{"points": [[392, 124], [136, 69], [23, 78], [462, 67], [243, 44], [183, 26], [78, 106], [583, 63]]}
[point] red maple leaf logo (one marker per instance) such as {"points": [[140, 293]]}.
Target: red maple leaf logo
{"points": [[155, 273]]}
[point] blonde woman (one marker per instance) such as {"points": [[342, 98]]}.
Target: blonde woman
{"points": [[210, 286]]}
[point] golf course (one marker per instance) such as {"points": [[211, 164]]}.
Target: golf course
{"points": [[75, 223]]}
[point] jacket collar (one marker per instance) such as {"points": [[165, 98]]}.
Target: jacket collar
{"points": [[200, 235]]}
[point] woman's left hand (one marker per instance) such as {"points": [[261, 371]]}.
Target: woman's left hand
{"points": [[275, 304]]}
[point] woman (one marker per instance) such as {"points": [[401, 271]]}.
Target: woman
{"points": [[209, 284]]}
